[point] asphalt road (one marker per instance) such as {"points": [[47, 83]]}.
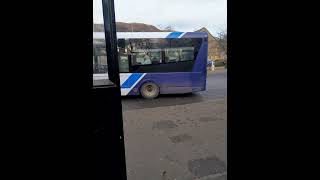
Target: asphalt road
{"points": [[216, 88], [178, 137]]}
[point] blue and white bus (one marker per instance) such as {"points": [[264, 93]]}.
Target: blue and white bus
{"points": [[153, 63]]}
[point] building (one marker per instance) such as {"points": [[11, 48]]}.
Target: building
{"points": [[214, 50]]}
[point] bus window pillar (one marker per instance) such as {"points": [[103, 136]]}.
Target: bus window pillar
{"points": [[107, 109]]}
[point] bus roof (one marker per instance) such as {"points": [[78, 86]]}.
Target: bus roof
{"points": [[141, 35]]}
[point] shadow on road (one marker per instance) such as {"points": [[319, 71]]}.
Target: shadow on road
{"points": [[138, 102], [161, 96]]}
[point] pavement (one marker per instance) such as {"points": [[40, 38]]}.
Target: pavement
{"points": [[178, 137]]}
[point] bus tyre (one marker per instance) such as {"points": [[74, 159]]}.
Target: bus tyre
{"points": [[149, 90]]}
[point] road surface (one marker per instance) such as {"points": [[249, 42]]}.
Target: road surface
{"points": [[178, 137]]}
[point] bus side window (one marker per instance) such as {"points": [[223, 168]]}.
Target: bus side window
{"points": [[123, 63], [187, 54], [102, 66], [121, 46], [140, 58], [156, 56], [146, 57], [172, 55]]}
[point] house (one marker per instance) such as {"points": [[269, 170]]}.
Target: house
{"points": [[214, 50]]}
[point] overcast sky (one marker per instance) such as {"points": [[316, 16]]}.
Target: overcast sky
{"points": [[183, 15]]}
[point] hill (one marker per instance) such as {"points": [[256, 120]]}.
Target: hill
{"points": [[129, 27]]}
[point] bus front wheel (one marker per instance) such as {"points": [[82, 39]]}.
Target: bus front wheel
{"points": [[149, 90]]}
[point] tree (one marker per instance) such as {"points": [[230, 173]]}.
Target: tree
{"points": [[167, 28], [222, 41]]}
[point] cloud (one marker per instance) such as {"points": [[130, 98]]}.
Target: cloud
{"points": [[184, 15]]}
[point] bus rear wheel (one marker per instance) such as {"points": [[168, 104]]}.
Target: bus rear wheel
{"points": [[149, 90]]}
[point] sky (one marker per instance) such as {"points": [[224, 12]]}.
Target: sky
{"points": [[182, 15]]}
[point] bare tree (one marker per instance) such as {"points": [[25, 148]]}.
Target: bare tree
{"points": [[168, 28], [222, 40]]}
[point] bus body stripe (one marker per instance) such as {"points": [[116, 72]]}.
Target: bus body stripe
{"points": [[182, 34], [174, 35], [131, 80]]}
